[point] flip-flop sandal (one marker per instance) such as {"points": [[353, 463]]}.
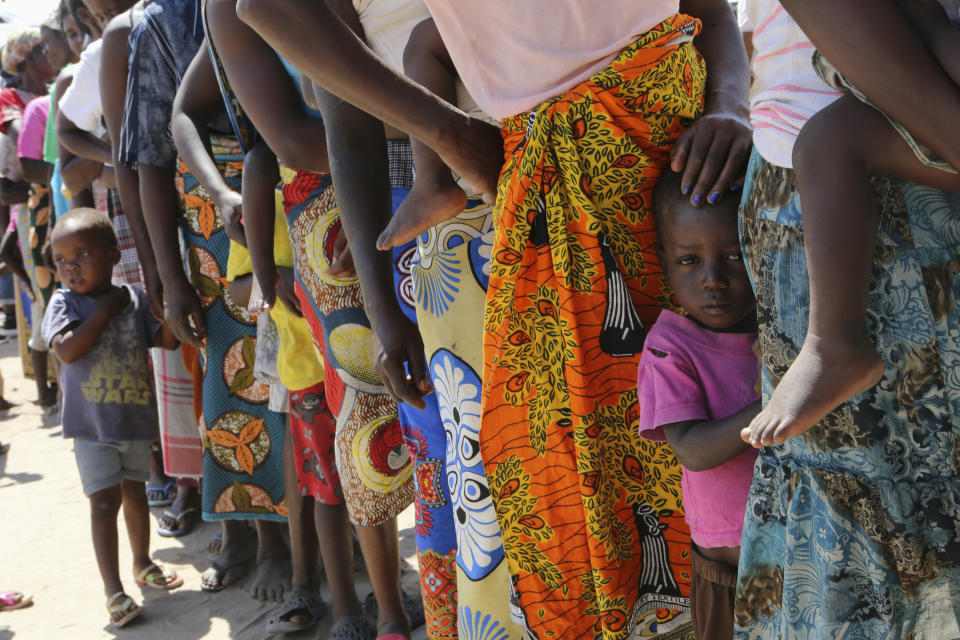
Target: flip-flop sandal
{"points": [[220, 572], [15, 600], [413, 608], [183, 523], [352, 627], [122, 608], [166, 493], [299, 602], [157, 578]]}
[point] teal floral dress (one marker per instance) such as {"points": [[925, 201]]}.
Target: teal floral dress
{"points": [[853, 529]]}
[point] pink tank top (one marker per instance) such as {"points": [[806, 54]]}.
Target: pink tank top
{"points": [[512, 55]]}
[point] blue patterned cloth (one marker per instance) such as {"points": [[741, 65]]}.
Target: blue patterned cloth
{"points": [[853, 529], [243, 439]]}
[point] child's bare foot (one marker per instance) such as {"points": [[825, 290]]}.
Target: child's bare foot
{"points": [[272, 578], [825, 374], [423, 207]]}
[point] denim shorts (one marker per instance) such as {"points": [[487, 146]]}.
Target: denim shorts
{"points": [[105, 464], [37, 342]]}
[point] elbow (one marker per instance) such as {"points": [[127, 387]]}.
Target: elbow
{"points": [[63, 356], [693, 464], [73, 180], [689, 459]]}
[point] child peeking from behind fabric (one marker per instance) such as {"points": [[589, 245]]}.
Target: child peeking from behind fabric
{"points": [[697, 388]]}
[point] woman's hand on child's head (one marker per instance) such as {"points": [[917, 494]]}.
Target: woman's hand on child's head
{"points": [[230, 205], [712, 154]]}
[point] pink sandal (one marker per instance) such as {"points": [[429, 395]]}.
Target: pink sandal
{"points": [[15, 600]]}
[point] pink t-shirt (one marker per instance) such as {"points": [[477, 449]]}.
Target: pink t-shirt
{"points": [[691, 373], [511, 56], [33, 128]]}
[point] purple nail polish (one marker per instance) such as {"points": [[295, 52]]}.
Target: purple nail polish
{"points": [[698, 199], [685, 189], [736, 187], [714, 197]]}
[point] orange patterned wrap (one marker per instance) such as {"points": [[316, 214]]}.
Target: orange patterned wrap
{"points": [[591, 514]]}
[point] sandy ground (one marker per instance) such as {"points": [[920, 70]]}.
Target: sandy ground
{"points": [[47, 550]]}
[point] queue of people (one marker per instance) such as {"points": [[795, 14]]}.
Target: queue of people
{"points": [[649, 309]]}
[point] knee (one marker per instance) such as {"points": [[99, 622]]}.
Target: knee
{"points": [[814, 144], [105, 504], [250, 11]]}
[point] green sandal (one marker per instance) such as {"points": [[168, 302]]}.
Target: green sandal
{"points": [[122, 609]]}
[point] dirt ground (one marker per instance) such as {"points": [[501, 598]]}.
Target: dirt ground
{"points": [[47, 549]]}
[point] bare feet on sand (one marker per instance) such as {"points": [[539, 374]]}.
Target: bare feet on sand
{"points": [[424, 206], [825, 374], [271, 581]]}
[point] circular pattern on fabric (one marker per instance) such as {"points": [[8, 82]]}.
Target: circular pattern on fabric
{"points": [[238, 363], [238, 441], [380, 454], [403, 266], [458, 388], [351, 345]]}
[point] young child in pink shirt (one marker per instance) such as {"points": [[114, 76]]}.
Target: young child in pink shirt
{"points": [[698, 387]]}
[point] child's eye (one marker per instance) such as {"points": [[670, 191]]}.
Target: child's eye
{"points": [[735, 255], [687, 260]]}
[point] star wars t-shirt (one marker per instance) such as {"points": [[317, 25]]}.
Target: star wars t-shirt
{"points": [[107, 393]]}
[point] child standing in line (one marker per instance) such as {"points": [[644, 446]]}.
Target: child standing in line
{"points": [[101, 332], [698, 388]]}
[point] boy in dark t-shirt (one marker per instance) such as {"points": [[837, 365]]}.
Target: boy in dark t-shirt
{"points": [[101, 332]]}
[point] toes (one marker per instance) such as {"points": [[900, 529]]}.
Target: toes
{"points": [[768, 432]]}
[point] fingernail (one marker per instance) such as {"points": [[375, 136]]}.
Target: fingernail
{"points": [[698, 200], [714, 197], [736, 187], [685, 189]]}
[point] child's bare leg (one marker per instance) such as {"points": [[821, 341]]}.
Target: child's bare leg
{"points": [[435, 198], [303, 537], [104, 508], [835, 155], [136, 514], [381, 551], [336, 547], [931, 21]]}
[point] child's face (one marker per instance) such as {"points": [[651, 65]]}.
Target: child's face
{"points": [[701, 256], [84, 261]]}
